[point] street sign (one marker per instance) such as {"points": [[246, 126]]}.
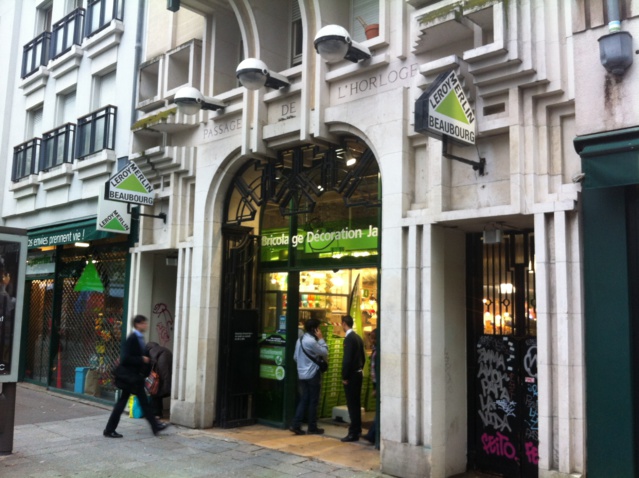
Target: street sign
{"points": [[443, 110], [131, 186], [113, 216]]}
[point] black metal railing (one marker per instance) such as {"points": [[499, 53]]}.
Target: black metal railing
{"points": [[100, 13], [67, 32], [57, 147], [25, 159], [35, 54], [96, 131]]}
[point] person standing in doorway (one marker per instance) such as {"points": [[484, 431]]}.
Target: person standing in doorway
{"points": [[308, 349], [372, 432], [352, 366], [129, 376]]}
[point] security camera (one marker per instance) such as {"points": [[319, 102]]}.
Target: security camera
{"points": [[334, 43], [253, 74], [189, 101]]}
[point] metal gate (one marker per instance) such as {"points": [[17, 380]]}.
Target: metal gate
{"points": [[239, 353], [503, 416], [92, 309], [39, 297]]}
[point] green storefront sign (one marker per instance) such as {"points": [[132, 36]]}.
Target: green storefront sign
{"points": [[81, 231]]}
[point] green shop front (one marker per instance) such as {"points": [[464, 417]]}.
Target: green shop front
{"points": [[301, 241], [610, 162], [75, 299]]}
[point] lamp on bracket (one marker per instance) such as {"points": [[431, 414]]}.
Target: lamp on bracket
{"points": [[253, 74], [190, 100], [334, 43]]}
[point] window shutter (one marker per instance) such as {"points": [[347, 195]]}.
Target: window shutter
{"points": [[107, 92], [367, 10], [36, 123], [67, 109]]}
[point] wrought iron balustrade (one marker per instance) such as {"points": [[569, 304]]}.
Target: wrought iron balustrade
{"points": [[25, 159], [100, 13], [35, 54], [57, 147], [67, 32], [96, 131]]}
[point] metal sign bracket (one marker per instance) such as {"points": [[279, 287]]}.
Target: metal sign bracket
{"points": [[479, 166], [162, 215]]}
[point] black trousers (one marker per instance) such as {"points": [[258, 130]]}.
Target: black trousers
{"points": [[353, 392], [120, 405]]}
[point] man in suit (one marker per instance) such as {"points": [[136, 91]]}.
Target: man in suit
{"points": [[129, 376], [352, 366]]}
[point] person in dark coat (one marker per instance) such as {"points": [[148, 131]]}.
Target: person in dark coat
{"points": [[162, 359], [352, 378], [129, 376]]}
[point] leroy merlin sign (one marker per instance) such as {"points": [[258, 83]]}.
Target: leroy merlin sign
{"points": [[129, 185], [443, 110]]}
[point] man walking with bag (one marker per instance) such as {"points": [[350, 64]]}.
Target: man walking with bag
{"points": [[129, 376], [310, 349], [352, 367]]}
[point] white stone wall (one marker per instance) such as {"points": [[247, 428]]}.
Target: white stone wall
{"points": [[519, 66]]}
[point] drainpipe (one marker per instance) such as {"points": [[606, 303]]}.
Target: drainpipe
{"points": [[614, 19], [138, 58], [615, 48]]}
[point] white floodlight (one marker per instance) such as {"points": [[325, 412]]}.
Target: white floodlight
{"points": [[189, 101], [253, 74], [334, 43]]}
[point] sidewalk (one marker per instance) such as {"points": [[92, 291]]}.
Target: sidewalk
{"points": [[75, 447], [61, 436]]}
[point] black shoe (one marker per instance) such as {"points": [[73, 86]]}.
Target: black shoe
{"points": [[160, 427], [348, 438], [369, 439], [297, 431], [111, 434], [315, 431]]}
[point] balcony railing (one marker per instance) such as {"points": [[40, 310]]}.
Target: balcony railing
{"points": [[67, 32], [100, 13], [96, 131], [57, 147], [25, 159], [35, 54]]}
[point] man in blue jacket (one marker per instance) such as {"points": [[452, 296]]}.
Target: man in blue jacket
{"points": [[129, 376], [308, 349]]}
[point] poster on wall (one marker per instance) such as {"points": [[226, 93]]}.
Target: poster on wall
{"points": [[12, 270]]}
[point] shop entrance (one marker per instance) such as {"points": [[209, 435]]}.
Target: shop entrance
{"points": [[325, 295], [502, 354], [303, 230]]}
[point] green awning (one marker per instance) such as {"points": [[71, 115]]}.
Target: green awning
{"points": [[609, 159], [68, 233]]}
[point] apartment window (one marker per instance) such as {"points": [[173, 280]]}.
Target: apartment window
{"points": [[96, 132], [57, 147], [44, 16], [66, 108], [297, 34], [67, 32], [27, 154], [34, 123], [100, 13], [365, 12], [35, 54], [72, 5], [25, 159], [104, 90]]}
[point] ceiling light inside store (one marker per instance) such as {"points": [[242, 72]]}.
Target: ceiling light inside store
{"points": [[350, 161], [82, 244]]}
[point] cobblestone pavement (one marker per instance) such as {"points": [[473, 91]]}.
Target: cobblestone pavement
{"points": [[75, 447]]}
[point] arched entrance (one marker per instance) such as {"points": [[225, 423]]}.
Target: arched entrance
{"points": [[301, 239]]}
